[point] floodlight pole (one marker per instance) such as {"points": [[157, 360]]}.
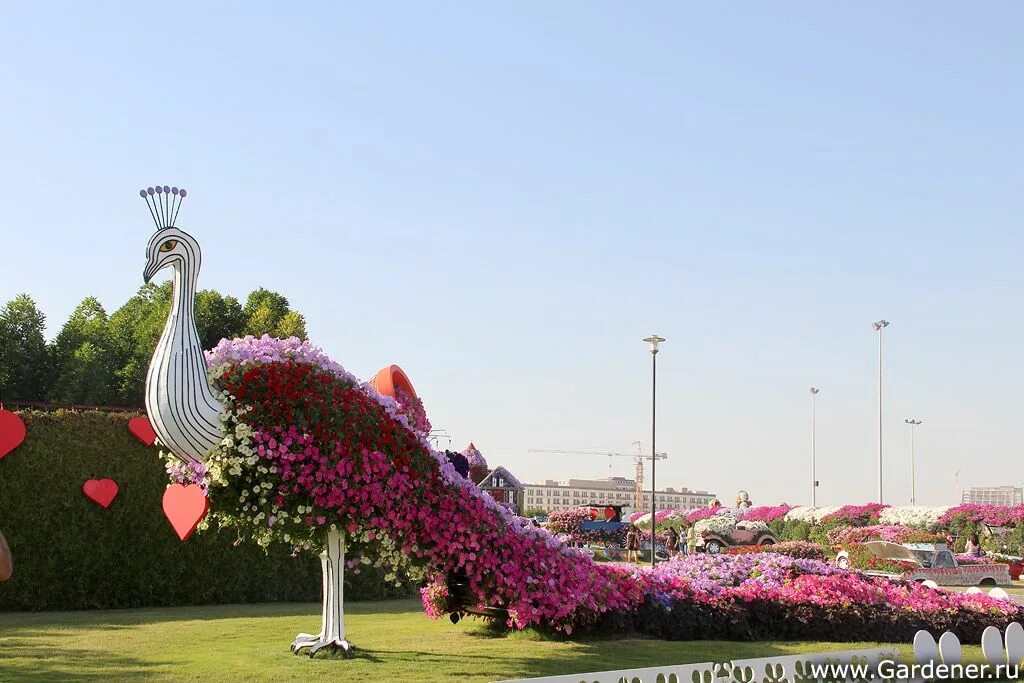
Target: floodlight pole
{"points": [[913, 467], [879, 326], [653, 341], [814, 477]]}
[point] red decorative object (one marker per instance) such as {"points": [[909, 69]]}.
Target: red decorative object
{"points": [[592, 513], [100, 491], [142, 430], [390, 378], [185, 506], [12, 432], [609, 514]]}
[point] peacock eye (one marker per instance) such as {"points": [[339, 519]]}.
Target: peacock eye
{"points": [[168, 245]]}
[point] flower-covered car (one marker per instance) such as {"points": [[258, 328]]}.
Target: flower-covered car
{"points": [[929, 562], [722, 531]]}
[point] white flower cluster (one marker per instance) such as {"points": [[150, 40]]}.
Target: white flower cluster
{"points": [[915, 516], [753, 525], [722, 525], [809, 514]]}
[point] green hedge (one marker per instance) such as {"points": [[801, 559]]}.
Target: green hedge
{"points": [[69, 553]]}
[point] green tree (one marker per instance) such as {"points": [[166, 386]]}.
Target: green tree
{"points": [[293, 324], [264, 310], [23, 358], [134, 331], [81, 359], [218, 317]]}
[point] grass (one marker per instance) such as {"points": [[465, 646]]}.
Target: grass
{"points": [[250, 643]]}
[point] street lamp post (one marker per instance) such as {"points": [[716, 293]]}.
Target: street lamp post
{"points": [[814, 477], [879, 326], [913, 468], [653, 341]]}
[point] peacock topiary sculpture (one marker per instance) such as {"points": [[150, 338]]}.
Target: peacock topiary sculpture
{"points": [[288, 445]]}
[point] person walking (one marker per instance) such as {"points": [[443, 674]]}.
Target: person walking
{"points": [[672, 542], [691, 541], [632, 544]]}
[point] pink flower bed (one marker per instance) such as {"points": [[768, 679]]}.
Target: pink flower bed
{"points": [[766, 513], [855, 515], [993, 515], [701, 513], [845, 535]]}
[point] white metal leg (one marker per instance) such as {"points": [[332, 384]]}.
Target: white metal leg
{"points": [[332, 622]]}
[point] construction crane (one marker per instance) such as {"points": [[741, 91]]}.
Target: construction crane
{"points": [[638, 494]]}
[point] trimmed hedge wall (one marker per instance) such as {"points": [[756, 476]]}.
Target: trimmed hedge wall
{"points": [[70, 553]]}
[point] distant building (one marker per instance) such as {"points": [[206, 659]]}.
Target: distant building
{"points": [[993, 495], [504, 488], [553, 495]]}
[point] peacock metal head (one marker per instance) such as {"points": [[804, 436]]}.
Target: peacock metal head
{"points": [[168, 245]]}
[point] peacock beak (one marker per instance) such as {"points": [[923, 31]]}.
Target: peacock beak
{"points": [[149, 272]]}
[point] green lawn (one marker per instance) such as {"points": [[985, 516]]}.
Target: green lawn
{"points": [[250, 643]]}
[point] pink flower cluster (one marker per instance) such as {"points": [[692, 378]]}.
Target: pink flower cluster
{"points": [[855, 515], [412, 407], [993, 515], [766, 513], [701, 513], [845, 535]]}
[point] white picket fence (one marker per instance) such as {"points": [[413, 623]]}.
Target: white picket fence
{"points": [[998, 648], [784, 669]]}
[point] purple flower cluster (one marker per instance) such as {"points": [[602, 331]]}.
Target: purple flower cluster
{"points": [[187, 473], [709, 575], [266, 349]]}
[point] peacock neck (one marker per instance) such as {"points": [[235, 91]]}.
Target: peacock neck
{"points": [[181, 332]]}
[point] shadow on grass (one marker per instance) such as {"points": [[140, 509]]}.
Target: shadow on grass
{"points": [[24, 660], [125, 618]]}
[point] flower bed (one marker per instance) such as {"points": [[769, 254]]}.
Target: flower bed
{"points": [[918, 517], [666, 518], [993, 515], [766, 513], [723, 525], [768, 596], [855, 515], [798, 549], [810, 515], [844, 536], [693, 516]]}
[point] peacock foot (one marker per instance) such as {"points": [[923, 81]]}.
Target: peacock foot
{"points": [[316, 643]]}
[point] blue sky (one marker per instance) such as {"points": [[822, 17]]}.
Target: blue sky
{"points": [[506, 200]]}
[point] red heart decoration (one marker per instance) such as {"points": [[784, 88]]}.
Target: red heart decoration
{"points": [[141, 428], [592, 513], [100, 491], [185, 506], [12, 432], [609, 514]]}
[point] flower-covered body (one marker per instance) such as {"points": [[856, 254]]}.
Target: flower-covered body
{"points": [[308, 446]]}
